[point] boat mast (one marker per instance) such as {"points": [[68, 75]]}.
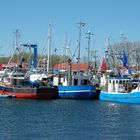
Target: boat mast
{"points": [[15, 48], [107, 51], [89, 54], [17, 37], [65, 36], [65, 52], [49, 47], [95, 56], [81, 24], [69, 72], [17, 45]]}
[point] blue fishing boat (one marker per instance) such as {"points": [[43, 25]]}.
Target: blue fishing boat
{"points": [[122, 88], [78, 92], [75, 85]]}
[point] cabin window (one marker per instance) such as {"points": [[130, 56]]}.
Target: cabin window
{"points": [[14, 82], [120, 82], [117, 82], [44, 79], [85, 82], [75, 82], [109, 81], [63, 79], [113, 82]]}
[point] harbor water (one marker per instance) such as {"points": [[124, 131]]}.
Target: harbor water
{"points": [[63, 119]]}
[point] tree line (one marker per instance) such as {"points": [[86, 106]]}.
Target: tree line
{"points": [[28, 58], [113, 54]]}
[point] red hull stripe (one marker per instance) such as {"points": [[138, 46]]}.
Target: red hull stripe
{"points": [[31, 95]]}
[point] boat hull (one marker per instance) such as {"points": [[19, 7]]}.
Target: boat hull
{"points": [[133, 97], [30, 93], [78, 92]]}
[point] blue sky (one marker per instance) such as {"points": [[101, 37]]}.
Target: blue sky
{"points": [[102, 17]]}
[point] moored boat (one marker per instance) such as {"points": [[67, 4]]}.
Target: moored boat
{"points": [[121, 89], [75, 85], [78, 92], [17, 85], [28, 92], [7, 96]]}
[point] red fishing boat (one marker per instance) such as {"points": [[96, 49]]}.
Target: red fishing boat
{"points": [[29, 92], [18, 86]]}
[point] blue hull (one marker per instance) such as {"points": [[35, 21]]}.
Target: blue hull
{"points": [[124, 98], [78, 92]]}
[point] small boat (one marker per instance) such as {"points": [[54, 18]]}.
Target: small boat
{"points": [[121, 89], [6, 96]]}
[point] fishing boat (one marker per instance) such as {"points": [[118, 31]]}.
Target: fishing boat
{"points": [[77, 92], [121, 89], [15, 80], [16, 85], [28, 92], [76, 84]]}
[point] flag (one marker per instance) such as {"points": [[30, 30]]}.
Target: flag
{"points": [[126, 69], [125, 61], [104, 66]]}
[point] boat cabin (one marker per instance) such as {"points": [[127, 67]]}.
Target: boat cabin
{"points": [[76, 79], [12, 77], [119, 85]]}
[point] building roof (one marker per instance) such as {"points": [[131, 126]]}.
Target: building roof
{"points": [[64, 66]]}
